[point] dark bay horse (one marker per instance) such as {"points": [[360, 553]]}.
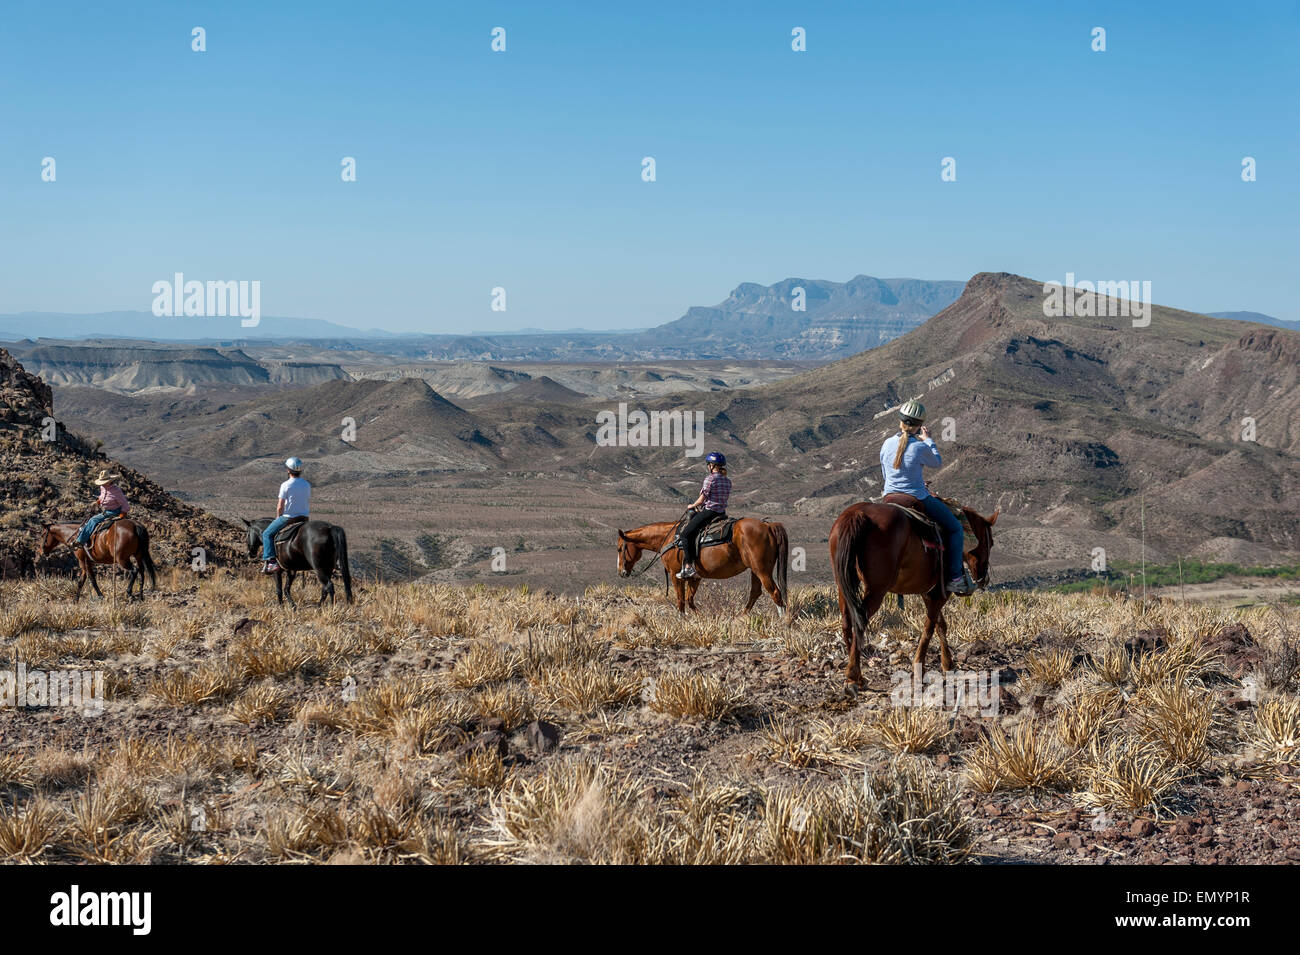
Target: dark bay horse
{"points": [[877, 549], [121, 543], [760, 546], [317, 547]]}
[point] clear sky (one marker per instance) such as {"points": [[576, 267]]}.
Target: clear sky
{"points": [[523, 169]]}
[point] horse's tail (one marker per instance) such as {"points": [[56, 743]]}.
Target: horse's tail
{"points": [[146, 560], [782, 569], [848, 540], [341, 555]]}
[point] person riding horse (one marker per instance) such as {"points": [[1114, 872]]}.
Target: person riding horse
{"points": [[294, 502], [112, 501], [902, 458], [710, 506]]}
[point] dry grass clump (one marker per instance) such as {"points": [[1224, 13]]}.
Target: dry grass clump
{"points": [[26, 833], [904, 814], [1029, 757], [1128, 773], [1050, 666], [585, 688], [210, 681], [1088, 715], [1178, 718], [1275, 732], [486, 663], [694, 696], [911, 729], [573, 811], [259, 704]]}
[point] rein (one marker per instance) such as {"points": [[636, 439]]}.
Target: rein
{"points": [[671, 534]]}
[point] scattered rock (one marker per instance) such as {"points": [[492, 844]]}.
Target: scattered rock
{"points": [[1141, 828], [543, 737]]}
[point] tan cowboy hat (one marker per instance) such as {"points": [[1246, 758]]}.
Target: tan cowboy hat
{"points": [[106, 478]]}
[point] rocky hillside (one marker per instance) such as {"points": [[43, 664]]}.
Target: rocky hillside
{"points": [[49, 480], [140, 367], [838, 319], [1086, 426]]}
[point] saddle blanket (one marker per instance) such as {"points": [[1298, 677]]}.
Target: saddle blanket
{"points": [[718, 532], [289, 531]]}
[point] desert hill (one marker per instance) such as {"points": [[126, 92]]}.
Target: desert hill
{"points": [[1073, 421], [140, 367], [50, 481]]}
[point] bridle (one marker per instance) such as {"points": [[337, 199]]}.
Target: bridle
{"points": [[671, 536]]}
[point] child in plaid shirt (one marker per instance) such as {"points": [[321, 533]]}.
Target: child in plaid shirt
{"points": [[708, 507]]}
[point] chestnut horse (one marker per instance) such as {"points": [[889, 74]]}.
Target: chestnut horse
{"points": [[760, 546], [877, 549], [123, 541]]}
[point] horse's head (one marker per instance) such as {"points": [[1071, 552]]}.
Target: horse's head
{"points": [[629, 552], [49, 540], [254, 538], [978, 559]]}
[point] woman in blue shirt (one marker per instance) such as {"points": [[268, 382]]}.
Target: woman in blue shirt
{"points": [[902, 458]]}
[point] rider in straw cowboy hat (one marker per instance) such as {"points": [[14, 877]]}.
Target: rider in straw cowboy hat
{"points": [[112, 501], [902, 458], [295, 497]]}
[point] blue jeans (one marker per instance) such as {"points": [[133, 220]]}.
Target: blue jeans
{"points": [[268, 548], [953, 538], [83, 538]]}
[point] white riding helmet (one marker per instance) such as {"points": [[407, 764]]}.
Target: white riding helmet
{"points": [[294, 464]]}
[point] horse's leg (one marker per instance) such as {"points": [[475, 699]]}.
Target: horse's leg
{"points": [[326, 587], [692, 585], [872, 602], [279, 587], [932, 612], [945, 655], [679, 587], [770, 586], [755, 588]]}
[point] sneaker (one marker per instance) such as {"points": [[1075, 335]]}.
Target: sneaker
{"points": [[271, 567], [960, 587], [687, 572]]}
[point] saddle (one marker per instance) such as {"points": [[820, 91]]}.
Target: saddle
{"points": [[717, 531], [933, 537], [103, 525], [289, 531]]}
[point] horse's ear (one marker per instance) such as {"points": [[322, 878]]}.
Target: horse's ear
{"points": [[622, 536], [247, 523], [994, 519]]}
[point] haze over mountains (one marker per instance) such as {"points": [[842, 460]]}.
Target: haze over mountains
{"points": [[1087, 432], [800, 319]]}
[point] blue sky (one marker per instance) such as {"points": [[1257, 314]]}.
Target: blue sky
{"points": [[523, 169]]}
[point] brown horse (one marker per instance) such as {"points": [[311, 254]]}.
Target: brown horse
{"points": [[760, 546], [877, 549], [124, 540]]}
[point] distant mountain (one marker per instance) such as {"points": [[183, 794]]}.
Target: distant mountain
{"points": [[146, 327], [801, 319], [827, 320], [148, 367], [1257, 317], [804, 318]]}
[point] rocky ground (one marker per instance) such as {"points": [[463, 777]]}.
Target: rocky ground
{"points": [[440, 723]]}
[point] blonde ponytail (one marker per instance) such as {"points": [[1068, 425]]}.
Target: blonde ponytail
{"points": [[905, 433]]}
